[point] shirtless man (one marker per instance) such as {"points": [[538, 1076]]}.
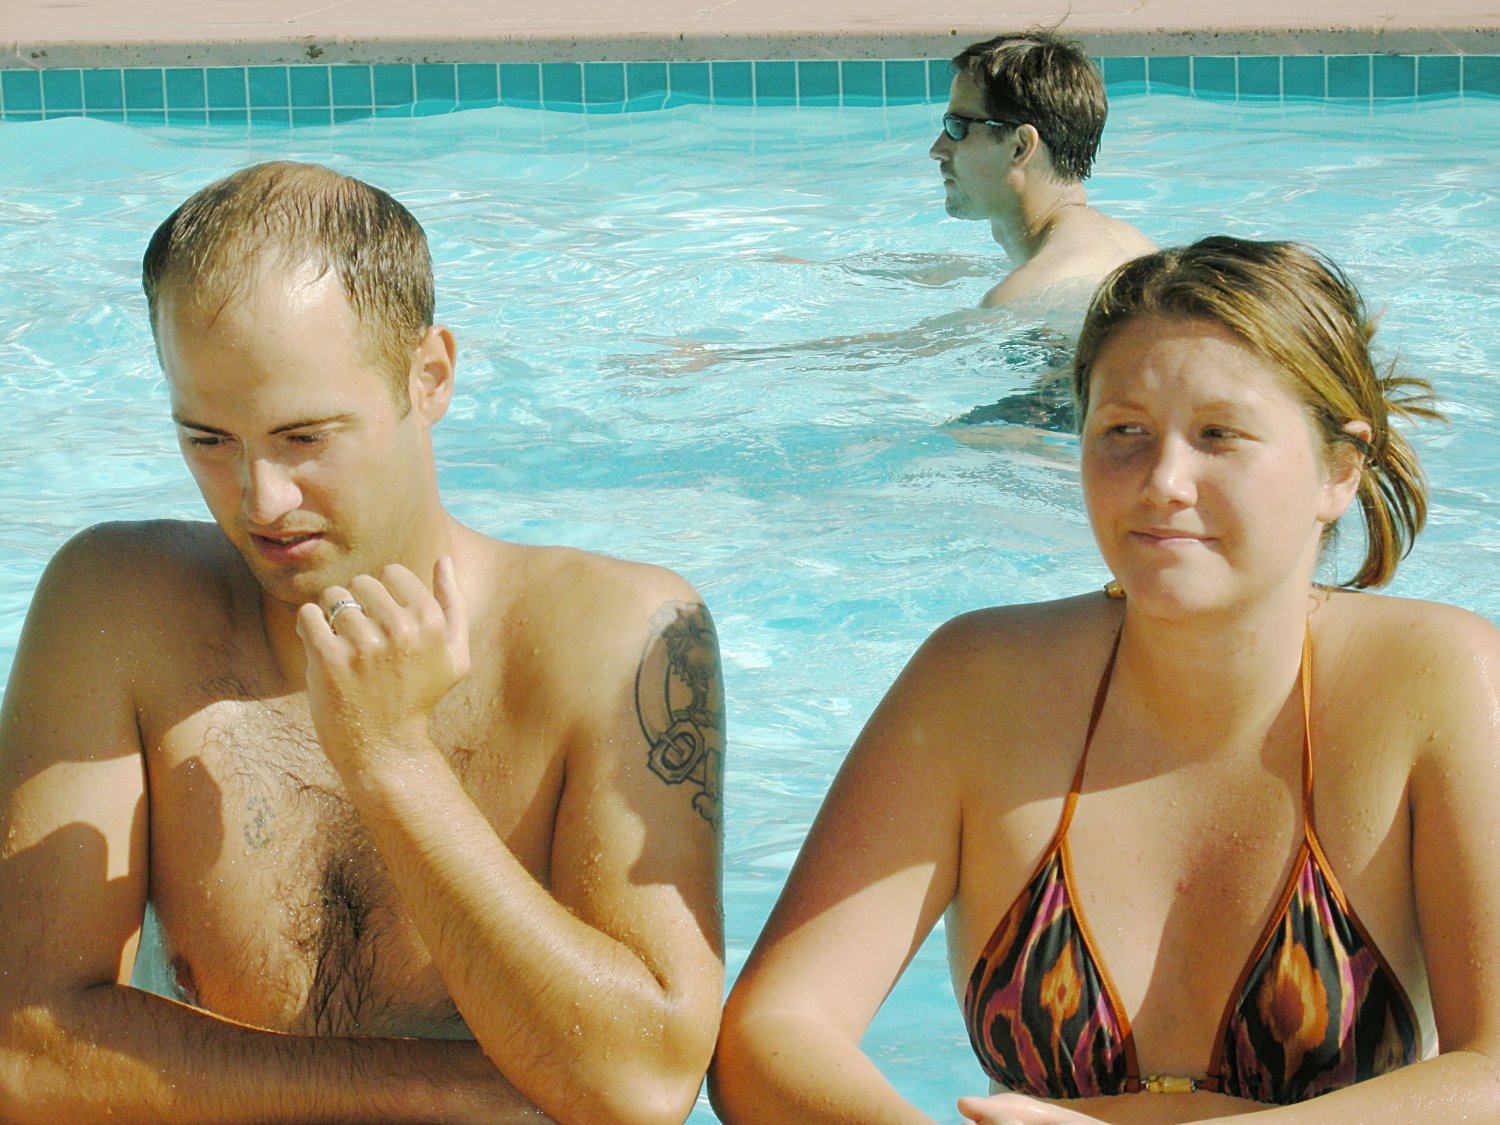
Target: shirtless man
{"points": [[429, 821], [1025, 114]]}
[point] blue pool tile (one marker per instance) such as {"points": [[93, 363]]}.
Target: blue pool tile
{"points": [[281, 116], [776, 83], [478, 83], [1482, 74], [645, 102], [394, 110], [103, 90], [521, 83], [351, 113], [185, 87], [1439, 74], [1175, 71], [21, 91], [1124, 69], [436, 82], [1260, 76], [393, 84], [62, 92], [1304, 76], [1215, 75], [352, 86], [1348, 76], [187, 116], [905, 81], [939, 79], [645, 80], [144, 90], [267, 87], [817, 82], [240, 116], [308, 87], [311, 115], [115, 115], [603, 83], [863, 82], [1394, 76], [226, 87], [562, 84], [23, 115], [144, 116], [690, 81], [733, 82]]}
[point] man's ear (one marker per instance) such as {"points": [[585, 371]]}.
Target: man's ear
{"points": [[431, 378], [1025, 145]]}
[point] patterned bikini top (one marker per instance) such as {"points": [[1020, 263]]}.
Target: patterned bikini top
{"points": [[1315, 1009]]}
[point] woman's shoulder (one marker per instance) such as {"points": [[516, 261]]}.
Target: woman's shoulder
{"points": [[1013, 658], [1411, 661], [1399, 632], [1035, 633]]}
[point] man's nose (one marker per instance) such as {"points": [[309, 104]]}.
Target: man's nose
{"points": [[268, 492]]}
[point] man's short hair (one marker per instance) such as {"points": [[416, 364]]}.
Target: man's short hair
{"points": [[282, 215], [1047, 82]]}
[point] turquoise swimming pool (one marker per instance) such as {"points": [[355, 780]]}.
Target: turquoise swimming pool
{"points": [[634, 296]]}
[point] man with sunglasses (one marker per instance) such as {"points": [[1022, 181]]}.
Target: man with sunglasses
{"points": [[1025, 114]]}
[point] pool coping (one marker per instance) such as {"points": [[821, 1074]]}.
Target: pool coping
{"points": [[211, 33]]}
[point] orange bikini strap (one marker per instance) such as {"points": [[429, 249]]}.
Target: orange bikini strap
{"points": [[1307, 754], [1100, 695]]}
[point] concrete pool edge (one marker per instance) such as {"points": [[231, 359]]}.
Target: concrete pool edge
{"points": [[89, 34]]}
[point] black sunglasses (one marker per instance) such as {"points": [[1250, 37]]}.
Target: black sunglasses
{"points": [[957, 126]]}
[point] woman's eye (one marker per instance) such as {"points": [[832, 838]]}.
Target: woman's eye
{"points": [[202, 441]]}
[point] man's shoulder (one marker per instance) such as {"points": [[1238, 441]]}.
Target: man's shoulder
{"points": [[591, 599], [154, 552]]}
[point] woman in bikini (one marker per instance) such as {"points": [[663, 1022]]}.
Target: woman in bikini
{"points": [[1214, 842]]}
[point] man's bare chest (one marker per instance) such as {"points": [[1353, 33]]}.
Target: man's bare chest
{"points": [[275, 906]]}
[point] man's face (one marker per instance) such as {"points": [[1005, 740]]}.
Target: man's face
{"points": [[975, 169], [293, 433]]}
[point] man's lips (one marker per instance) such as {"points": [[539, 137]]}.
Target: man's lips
{"points": [[286, 546]]}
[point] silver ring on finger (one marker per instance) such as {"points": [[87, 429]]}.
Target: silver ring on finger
{"points": [[339, 606]]}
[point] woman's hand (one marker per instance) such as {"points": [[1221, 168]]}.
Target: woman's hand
{"points": [[1018, 1109]]}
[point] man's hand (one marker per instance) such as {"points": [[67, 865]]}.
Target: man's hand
{"points": [[380, 655]]}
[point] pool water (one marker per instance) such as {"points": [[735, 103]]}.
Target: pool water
{"points": [[718, 338]]}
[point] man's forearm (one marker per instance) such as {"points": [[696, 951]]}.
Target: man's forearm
{"points": [[115, 1051], [575, 1017]]}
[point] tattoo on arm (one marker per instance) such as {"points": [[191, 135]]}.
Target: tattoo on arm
{"points": [[679, 699]]}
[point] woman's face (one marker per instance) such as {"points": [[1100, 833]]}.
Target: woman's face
{"points": [[1204, 479]]}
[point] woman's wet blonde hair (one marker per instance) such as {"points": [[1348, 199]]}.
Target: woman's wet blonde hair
{"points": [[1298, 311]]}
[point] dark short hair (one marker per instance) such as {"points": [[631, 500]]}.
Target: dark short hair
{"points": [[1295, 309], [1048, 83], [285, 214]]}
